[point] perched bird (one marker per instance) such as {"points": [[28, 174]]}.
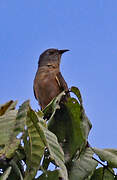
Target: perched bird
{"points": [[49, 82]]}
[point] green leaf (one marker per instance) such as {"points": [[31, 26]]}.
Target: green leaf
{"points": [[86, 124], [6, 174], [49, 175], [7, 126], [21, 117], [102, 173], [83, 166], [70, 124], [7, 123], [11, 148], [34, 144], [12, 123], [50, 141], [56, 152], [109, 155]]}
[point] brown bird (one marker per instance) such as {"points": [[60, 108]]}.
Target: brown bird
{"points": [[49, 82]]}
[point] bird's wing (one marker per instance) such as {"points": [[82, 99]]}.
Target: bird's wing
{"points": [[61, 82]]}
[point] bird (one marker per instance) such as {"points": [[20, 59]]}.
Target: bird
{"points": [[48, 81]]}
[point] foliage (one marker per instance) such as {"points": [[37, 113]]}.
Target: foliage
{"points": [[31, 141]]}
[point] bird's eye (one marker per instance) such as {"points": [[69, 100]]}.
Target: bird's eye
{"points": [[51, 52]]}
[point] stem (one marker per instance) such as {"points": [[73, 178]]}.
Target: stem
{"points": [[106, 167]]}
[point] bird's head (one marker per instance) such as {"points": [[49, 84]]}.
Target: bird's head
{"points": [[51, 57]]}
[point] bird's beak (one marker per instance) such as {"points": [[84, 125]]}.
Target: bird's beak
{"points": [[63, 51]]}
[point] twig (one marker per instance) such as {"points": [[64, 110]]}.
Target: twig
{"points": [[105, 166]]}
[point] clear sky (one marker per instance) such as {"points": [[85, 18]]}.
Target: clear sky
{"points": [[89, 29]]}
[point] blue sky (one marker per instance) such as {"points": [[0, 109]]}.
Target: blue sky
{"points": [[89, 29]]}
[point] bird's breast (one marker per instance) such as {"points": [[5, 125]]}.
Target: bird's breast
{"points": [[47, 85]]}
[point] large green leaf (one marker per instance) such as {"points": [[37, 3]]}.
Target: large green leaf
{"points": [[70, 123], [7, 124], [21, 117], [83, 166], [109, 155], [34, 144], [39, 138], [56, 152], [12, 123], [102, 174], [86, 124]]}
